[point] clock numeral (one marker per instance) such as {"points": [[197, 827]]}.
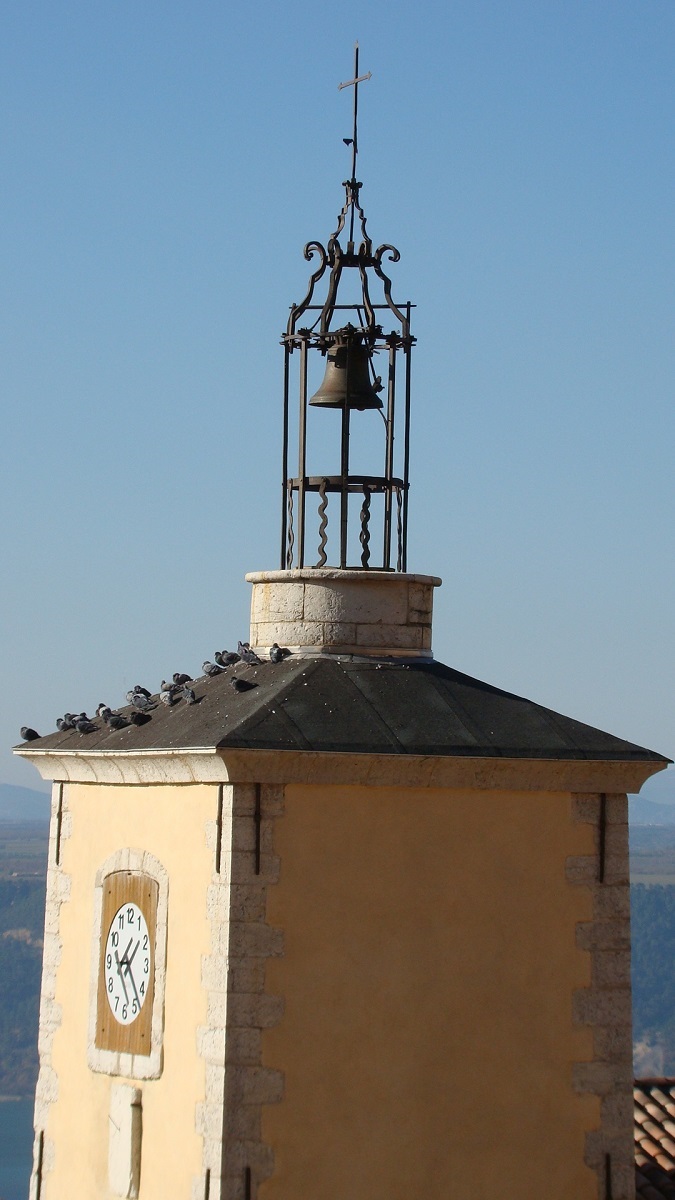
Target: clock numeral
{"points": [[130, 916], [124, 1012], [146, 965], [145, 942], [115, 939], [134, 1006], [117, 1000], [120, 920], [142, 987], [108, 961], [110, 984]]}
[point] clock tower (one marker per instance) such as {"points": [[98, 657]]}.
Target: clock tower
{"points": [[344, 922]]}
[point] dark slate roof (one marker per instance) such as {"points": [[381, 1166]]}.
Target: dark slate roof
{"points": [[359, 706], [654, 1139]]}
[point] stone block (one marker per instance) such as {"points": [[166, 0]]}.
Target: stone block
{"points": [[603, 935], [243, 1045], [272, 602], [255, 1084], [394, 637], [600, 1078], [214, 973], [581, 868], [370, 599], [593, 1006], [247, 974], [612, 901], [242, 1121], [255, 1011], [211, 1044], [611, 968]]}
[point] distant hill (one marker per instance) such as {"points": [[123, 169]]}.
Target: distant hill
{"points": [[23, 804], [645, 812]]}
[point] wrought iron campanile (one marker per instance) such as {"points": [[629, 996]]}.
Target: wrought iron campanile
{"points": [[366, 382]]}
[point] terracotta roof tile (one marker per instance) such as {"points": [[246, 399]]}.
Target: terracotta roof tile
{"points": [[654, 1139]]}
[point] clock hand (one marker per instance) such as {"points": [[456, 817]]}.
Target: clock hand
{"points": [[130, 975], [130, 960], [119, 972]]}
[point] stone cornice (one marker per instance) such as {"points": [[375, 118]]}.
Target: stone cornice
{"points": [[209, 765]]}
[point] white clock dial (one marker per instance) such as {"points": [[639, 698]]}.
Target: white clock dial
{"points": [[127, 963]]}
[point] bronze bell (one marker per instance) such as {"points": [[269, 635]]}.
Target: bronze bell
{"points": [[347, 357]]}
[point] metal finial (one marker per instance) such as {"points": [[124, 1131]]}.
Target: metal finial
{"points": [[354, 138]]}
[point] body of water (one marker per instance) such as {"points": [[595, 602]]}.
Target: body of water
{"points": [[16, 1148]]}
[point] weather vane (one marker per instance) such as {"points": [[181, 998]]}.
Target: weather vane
{"points": [[353, 140]]}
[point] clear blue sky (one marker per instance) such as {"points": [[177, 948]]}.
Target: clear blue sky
{"points": [[163, 166]]}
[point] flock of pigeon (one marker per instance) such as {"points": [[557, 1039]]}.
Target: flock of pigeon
{"points": [[142, 701]]}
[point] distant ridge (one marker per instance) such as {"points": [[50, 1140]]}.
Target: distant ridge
{"points": [[23, 804]]}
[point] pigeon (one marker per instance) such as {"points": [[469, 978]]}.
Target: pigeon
{"points": [[62, 725], [188, 694], [278, 653], [139, 701], [117, 721], [139, 718], [226, 658], [246, 654], [166, 687], [142, 690], [28, 734], [68, 721], [241, 685], [211, 669], [179, 679], [84, 725], [168, 698], [104, 712]]}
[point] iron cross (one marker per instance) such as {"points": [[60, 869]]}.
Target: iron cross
{"points": [[355, 84]]}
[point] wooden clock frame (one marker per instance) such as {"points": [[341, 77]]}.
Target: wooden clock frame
{"points": [[120, 888], [134, 1051]]}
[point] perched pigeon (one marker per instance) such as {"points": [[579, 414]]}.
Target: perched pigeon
{"points": [[104, 712], [142, 690], [62, 725], [246, 654], [179, 679], [117, 721], [168, 698], [68, 720], [28, 734], [241, 685], [226, 658], [166, 687], [140, 701], [139, 718], [211, 669], [278, 653], [84, 725], [188, 695]]}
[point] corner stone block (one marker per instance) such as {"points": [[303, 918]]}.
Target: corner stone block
{"points": [[272, 602]]}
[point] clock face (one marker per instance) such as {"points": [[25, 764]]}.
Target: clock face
{"points": [[127, 963]]}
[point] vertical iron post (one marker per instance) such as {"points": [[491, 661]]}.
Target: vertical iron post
{"points": [[389, 458], [302, 454], [406, 452], [284, 496]]}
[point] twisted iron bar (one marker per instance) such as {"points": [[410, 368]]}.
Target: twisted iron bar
{"points": [[364, 536], [323, 523], [399, 529], [291, 535]]}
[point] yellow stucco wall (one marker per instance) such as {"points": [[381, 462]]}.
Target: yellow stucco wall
{"points": [[427, 1040], [170, 823]]}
